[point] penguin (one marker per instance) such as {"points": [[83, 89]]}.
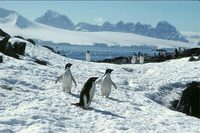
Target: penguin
{"points": [[67, 79], [134, 59], [106, 83], [189, 102], [88, 56], [87, 93], [141, 59]]}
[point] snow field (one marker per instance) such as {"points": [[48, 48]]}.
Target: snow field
{"points": [[36, 104]]}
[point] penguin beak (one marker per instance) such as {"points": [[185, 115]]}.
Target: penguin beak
{"points": [[111, 70]]}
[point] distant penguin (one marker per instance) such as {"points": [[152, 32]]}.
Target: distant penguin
{"points": [[88, 56], [87, 93], [106, 83], [141, 59], [133, 59], [67, 79]]}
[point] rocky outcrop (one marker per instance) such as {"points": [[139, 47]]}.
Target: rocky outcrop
{"points": [[3, 34], [19, 47]]}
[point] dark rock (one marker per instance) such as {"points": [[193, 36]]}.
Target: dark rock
{"points": [[10, 51], [3, 44], [50, 48], [19, 37], [117, 60], [31, 41], [7, 48], [190, 52], [3, 34], [192, 58], [41, 62], [1, 59], [189, 102], [19, 47]]}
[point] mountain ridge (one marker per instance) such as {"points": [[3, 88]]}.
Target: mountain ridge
{"points": [[163, 29], [12, 25]]}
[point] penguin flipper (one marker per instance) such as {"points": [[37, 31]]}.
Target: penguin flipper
{"points": [[114, 84], [58, 78]]}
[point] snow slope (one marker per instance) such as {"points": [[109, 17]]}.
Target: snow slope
{"points": [[139, 104], [15, 24], [193, 37]]}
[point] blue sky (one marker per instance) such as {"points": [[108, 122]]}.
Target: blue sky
{"points": [[185, 15]]}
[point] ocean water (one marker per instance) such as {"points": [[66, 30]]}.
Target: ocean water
{"points": [[98, 52]]}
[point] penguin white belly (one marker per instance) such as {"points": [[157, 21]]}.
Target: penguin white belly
{"points": [[92, 92], [67, 81], [106, 86]]}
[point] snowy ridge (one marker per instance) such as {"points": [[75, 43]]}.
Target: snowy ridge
{"points": [[163, 29], [193, 37], [12, 18], [35, 104], [15, 24]]}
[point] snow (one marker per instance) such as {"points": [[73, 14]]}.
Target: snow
{"points": [[139, 104], [15, 24], [193, 37]]}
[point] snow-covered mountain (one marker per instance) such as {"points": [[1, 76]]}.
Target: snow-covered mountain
{"points": [[11, 22], [13, 18], [163, 30], [55, 19], [30, 101]]}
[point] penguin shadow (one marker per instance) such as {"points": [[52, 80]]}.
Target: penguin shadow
{"points": [[74, 95], [117, 100], [5, 87], [107, 113]]}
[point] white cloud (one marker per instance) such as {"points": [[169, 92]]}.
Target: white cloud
{"points": [[98, 20]]}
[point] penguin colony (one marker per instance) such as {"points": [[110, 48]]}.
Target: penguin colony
{"points": [[88, 90]]}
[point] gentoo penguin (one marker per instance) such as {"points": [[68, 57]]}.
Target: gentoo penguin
{"points": [[67, 79], [87, 93], [106, 83]]}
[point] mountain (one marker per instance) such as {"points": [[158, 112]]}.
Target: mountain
{"points": [[55, 19], [163, 30], [15, 24], [87, 27], [13, 18]]}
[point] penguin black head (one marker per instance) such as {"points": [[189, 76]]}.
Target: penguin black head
{"points": [[108, 71], [68, 65], [92, 79]]}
